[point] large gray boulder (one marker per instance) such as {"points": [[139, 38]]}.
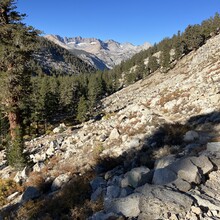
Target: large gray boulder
{"points": [[137, 177], [164, 176], [213, 147], [210, 196], [181, 185], [127, 206], [30, 193], [157, 201], [191, 136], [113, 191], [98, 182], [186, 170], [203, 163], [165, 161]]}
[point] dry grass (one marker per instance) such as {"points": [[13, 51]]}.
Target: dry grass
{"points": [[174, 133], [8, 187], [97, 150], [169, 97], [71, 202], [130, 130]]}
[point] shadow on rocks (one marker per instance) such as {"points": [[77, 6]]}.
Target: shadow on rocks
{"points": [[72, 201]]}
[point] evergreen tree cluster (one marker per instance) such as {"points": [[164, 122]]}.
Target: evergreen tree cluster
{"points": [[164, 54]]}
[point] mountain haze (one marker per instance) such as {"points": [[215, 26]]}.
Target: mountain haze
{"points": [[101, 54]]}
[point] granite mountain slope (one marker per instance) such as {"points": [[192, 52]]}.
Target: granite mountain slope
{"points": [[155, 153], [101, 54], [53, 59]]}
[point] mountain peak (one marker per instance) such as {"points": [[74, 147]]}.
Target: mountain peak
{"points": [[109, 52]]}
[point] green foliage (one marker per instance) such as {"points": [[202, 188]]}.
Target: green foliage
{"points": [[18, 42], [82, 110], [14, 150], [95, 90], [4, 126], [7, 187], [153, 64], [193, 37], [165, 48], [56, 53]]}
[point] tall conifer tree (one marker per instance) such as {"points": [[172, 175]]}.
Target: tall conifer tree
{"points": [[17, 43]]}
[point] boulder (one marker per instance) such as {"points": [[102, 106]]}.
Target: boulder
{"points": [[39, 157], [51, 150], [60, 128], [38, 166], [181, 185], [98, 182], [114, 134], [134, 143], [191, 136], [21, 176], [155, 201], [128, 206], [164, 176], [54, 144], [203, 163], [30, 193], [113, 191], [213, 146], [116, 171], [97, 194], [137, 177], [186, 170], [60, 181], [165, 161]]}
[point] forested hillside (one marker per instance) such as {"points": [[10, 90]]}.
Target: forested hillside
{"points": [[167, 52], [52, 59]]}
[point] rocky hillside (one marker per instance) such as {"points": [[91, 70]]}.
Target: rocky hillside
{"points": [[53, 59], [101, 54], [153, 153]]}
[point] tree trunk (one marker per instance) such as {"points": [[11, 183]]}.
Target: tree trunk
{"points": [[14, 122]]}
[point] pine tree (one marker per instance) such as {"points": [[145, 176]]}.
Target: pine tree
{"points": [[95, 90], [17, 42], [82, 109], [152, 64], [193, 37]]}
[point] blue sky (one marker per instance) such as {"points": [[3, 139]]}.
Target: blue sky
{"points": [[135, 21]]}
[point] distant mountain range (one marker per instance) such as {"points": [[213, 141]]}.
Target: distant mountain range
{"points": [[100, 54], [53, 59]]}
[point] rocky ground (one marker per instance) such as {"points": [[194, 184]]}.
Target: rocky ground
{"points": [[154, 152]]}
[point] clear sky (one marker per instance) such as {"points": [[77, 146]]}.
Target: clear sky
{"points": [[135, 21]]}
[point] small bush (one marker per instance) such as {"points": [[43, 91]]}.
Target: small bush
{"points": [[7, 187], [174, 133]]}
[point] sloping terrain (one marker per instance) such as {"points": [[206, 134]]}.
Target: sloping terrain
{"points": [[54, 59], [100, 54], [154, 153]]}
